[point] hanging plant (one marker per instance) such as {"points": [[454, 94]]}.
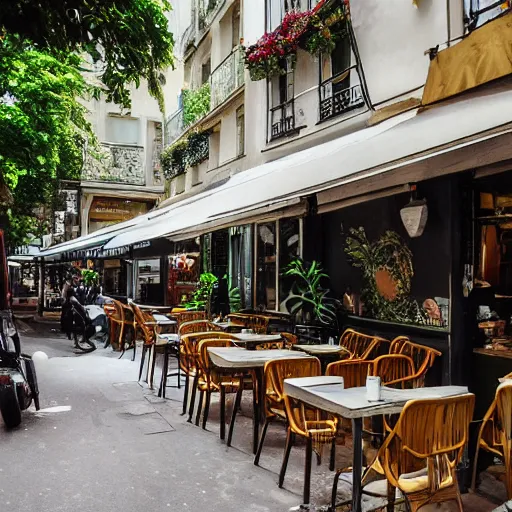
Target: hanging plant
{"points": [[315, 31], [198, 148], [173, 159], [196, 104]]}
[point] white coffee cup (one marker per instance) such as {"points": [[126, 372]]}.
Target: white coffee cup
{"points": [[372, 389]]}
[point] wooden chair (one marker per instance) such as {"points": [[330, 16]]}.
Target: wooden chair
{"points": [[119, 321], [495, 434], [115, 321], [361, 346], [190, 355], [421, 453], [394, 370], [259, 324], [353, 371], [423, 357], [303, 421]]}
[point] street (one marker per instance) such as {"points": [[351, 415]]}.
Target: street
{"points": [[119, 448]]}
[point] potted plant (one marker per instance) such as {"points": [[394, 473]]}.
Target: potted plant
{"points": [[308, 298], [202, 297]]}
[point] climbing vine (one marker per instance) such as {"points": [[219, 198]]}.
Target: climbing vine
{"points": [[196, 103]]}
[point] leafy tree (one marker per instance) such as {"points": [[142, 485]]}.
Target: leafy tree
{"points": [[43, 130], [129, 37]]}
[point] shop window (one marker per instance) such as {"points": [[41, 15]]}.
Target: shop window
{"points": [[148, 286], [240, 271], [289, 249], [282, 109], [240, 131], [114, 278], [478, 12], [266, 269], [122, 130], [340, 89]]}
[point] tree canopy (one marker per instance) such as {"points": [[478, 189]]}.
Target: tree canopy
{"points": [[46, 49], [129, 37], [43, 130]]}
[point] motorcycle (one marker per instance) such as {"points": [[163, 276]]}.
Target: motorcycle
{"points": [[90, 325], [18, 381]]}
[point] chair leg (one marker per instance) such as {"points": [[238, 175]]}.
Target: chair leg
{"points": [[334, 491], [262, 440], [179, 368], [290, 438], [236, 406], [222, 413], [134, 346], [206, 409], [193, 398], [185, 396], [307, 470], [142, 359], [475, 466], [391, 498], [199, 407], [163, 379], [153, 365], [255, 417], [332, 461]]}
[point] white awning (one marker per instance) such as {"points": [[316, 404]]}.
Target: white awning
{"points": [[369, 152]]}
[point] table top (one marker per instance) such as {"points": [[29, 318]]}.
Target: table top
{"points": [[155, 308], [322, 349], [234, 357], [257, 338], [327, 394]]}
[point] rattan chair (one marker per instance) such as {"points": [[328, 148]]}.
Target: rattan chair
{"points": [[289, 339], [303, 421], [495, 435], [394, 370], [211, 381], [189, 316], [423, 357], [197, 326], [362, 346], [146, 325], [189, 358], [421, 453], [353, 371]]}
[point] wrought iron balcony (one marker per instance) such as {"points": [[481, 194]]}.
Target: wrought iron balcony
{"points": [[115, 163], [227, 77], [338, 97], [207, 11], [282, 120], [174, 127]]}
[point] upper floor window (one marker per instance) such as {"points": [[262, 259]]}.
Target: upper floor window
{"points": [[478, 12], [206, 70], [282, 109], [122, 130], [240, 131], [340, 89], [276, 9]]}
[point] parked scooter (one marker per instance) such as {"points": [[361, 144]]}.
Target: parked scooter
{"points": [[18, 381]]}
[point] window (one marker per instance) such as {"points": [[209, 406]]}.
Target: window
{"points": [[148, 288], [240, 272], [276, 9], [235, 27], [277, 244], [240, 131], [478, 12], [282, 109], [122, 130], [214, 158], [206, 70], [338, 92]]}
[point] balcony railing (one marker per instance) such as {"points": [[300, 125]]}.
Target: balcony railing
{"points": [[116, 163], [207, 11], [227, 77], [338, 97], [282, 120], [174, 127]]}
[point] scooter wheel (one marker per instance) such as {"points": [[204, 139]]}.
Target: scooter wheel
{"points": [[9, 406]]}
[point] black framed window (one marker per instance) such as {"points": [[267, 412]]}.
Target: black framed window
{"points": [[282, 107]]}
